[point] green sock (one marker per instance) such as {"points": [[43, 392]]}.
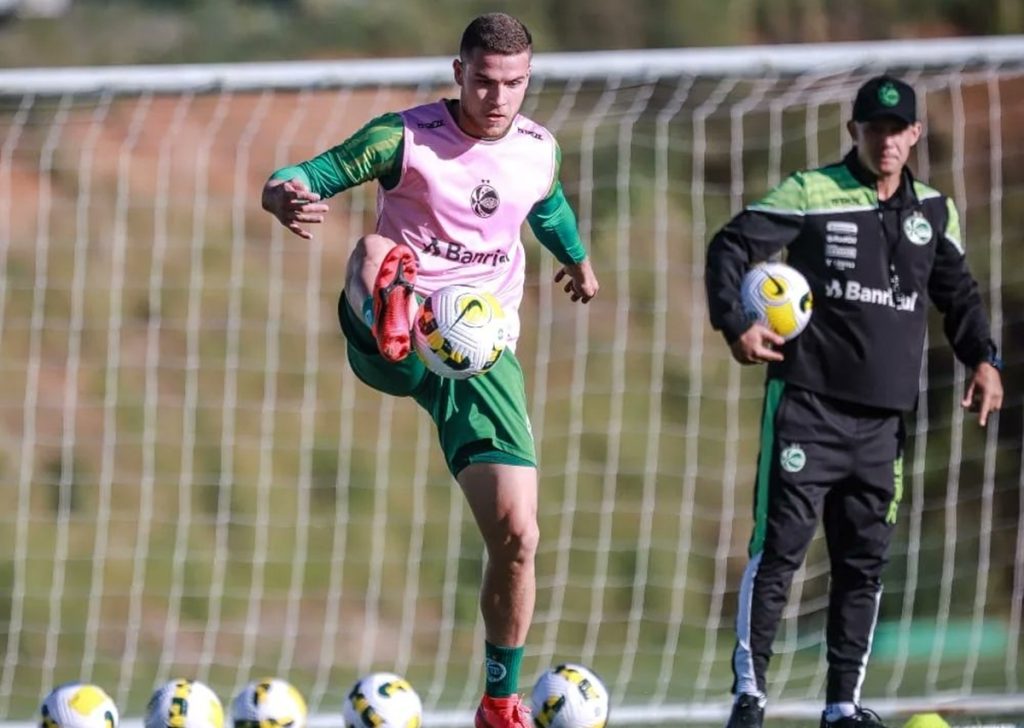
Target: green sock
{"points": [[502, 669]]}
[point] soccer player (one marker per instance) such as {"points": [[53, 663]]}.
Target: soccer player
{"points": [[457, 179], [875, 245]]}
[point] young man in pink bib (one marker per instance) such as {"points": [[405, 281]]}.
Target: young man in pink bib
{"points": [[457, 179]]}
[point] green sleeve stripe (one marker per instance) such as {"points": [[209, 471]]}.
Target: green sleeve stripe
{"points": [[924, 192], [757, 207], [816, 211], [373, 152], [789, 197], [952, 232]]}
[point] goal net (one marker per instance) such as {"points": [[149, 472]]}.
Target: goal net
{"points": [[194, 483]]}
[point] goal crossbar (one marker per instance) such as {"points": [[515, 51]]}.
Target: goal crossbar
{"points": [[638, 64]]}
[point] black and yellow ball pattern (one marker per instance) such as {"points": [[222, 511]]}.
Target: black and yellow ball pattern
{"points": [[569, 696], [779, 297], [460, 332], [382, 700]]}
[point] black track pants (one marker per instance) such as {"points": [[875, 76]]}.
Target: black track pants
{"points": [[842, 463]]}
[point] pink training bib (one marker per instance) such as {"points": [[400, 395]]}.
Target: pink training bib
{"points": [[462, 201]]}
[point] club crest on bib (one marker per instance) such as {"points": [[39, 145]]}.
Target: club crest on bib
{"points": [[917, 229], [484, 200]]}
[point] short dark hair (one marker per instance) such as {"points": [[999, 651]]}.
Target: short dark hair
{"points": [[496, 33]]}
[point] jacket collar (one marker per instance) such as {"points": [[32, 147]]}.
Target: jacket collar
{"points": [[905, 193]]}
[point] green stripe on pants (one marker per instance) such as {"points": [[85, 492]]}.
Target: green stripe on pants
{"points": [[772, 396]]}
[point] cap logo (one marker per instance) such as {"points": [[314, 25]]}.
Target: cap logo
{"points": [[888, 94]]}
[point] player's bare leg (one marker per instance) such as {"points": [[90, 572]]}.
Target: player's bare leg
{"points": [[503, 499], [380, 268], [363, 264]]}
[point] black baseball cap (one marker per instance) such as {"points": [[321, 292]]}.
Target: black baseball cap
{"points": [[885, 96]]}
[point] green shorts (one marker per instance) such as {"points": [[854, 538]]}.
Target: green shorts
{"points": [[482, 419]]}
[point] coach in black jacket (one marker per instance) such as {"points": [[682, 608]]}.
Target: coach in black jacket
{"points": [[875, 245]]}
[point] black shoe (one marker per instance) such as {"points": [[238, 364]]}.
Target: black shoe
{"points": [[863, 718], [746, 713]]}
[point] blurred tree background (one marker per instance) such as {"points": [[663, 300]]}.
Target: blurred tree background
{"points": [[188, 31]]}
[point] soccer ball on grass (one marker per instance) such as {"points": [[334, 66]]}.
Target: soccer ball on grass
{"points": [[184, 704], [382, 700], [569, 696], [78, 705], [459, 331], [777, 296], [269, 703]]}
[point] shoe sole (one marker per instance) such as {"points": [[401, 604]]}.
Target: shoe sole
{"points": [[391, 291]]}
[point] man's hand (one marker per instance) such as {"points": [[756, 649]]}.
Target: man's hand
{"points": [[985, 392], [292, 203], [755, 346], [582, 284]]}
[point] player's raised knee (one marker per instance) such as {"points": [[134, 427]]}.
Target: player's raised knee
{"points": [[373, 248]]}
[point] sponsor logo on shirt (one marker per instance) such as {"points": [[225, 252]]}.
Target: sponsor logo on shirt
{"points": [[854, 291], [430, 124], [842, 227], [459, 253], [484, 199], [529, 132], [841, 244]]}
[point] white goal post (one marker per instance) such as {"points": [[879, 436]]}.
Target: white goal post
{"points": [[196, 485]]}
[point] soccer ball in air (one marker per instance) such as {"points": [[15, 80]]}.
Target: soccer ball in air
{"points": [[777, 296], [382, 700], [184, 704], [78, 705], [269, 703], [460, 331], [569, 696]]}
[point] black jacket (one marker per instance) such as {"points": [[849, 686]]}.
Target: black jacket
{"points": [[872, 267]]}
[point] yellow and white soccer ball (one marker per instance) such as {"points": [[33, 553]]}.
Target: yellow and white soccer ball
{"points": [[460, 331], [78, 705], [184, 704], [777, 296], [382, 700], [569, 696], [269, 703]]}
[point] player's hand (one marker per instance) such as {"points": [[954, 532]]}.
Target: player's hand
{"points": [[293, 204], [582, 284], [757, 345], [984, 393]]}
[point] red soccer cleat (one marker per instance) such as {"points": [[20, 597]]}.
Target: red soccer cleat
{"points": [[391, 292], [502, 713]]}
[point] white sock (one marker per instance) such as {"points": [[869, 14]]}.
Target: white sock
{"points": [[835, 711]]}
